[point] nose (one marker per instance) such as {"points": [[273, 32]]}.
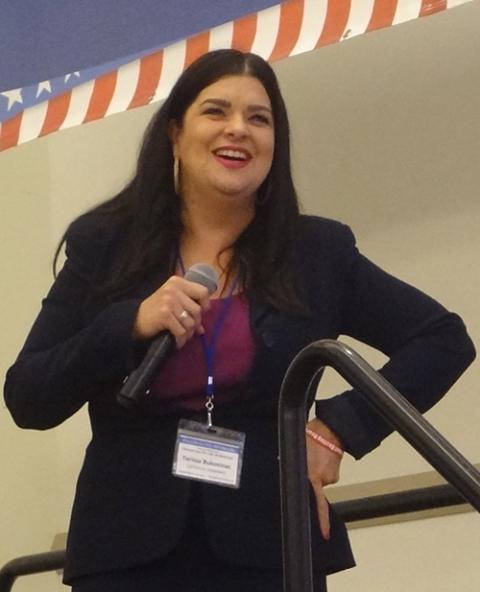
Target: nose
{"points": [[236, 126]]}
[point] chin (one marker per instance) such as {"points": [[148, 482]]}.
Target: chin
{"points": [[239, 190], [238, 194]]}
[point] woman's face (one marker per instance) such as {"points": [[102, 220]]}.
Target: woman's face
{"points": [[226, 142]]}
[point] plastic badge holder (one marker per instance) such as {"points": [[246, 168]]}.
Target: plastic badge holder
{"points": [[212, 455]]}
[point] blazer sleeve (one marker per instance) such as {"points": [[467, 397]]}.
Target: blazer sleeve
{"points": [[428, 349], [65, 359]]}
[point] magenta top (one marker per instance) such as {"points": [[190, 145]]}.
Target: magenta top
{"points": [[181, 380]]}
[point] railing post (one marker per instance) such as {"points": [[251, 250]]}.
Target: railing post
{"points": [[388, 402], [294, 496]]}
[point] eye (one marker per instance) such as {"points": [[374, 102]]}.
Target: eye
{"points": [[260, 118], [215, 111]]}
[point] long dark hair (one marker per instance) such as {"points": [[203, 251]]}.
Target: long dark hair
{"points": [[148, 209]]}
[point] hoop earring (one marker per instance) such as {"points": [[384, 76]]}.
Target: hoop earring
{"points": [[176, 174]]}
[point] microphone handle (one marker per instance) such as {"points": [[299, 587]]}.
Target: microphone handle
{"points": [[136, 384]]}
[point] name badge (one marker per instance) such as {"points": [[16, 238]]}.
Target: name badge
{"points": [[209, 454]]}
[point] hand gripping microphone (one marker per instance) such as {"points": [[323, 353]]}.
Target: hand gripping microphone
{"points": [[136, 384]]}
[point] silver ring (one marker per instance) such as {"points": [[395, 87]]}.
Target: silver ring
{"points": [[183, 315]]}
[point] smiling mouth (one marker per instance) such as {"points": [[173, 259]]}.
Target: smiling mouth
{"points": [[228, 154], [232, 158]]}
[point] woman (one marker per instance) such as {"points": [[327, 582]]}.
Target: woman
{"points": [[213, 185]]}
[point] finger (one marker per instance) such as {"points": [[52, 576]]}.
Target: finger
{"points": [[322, 512], [180, 342], [193, 290], [176, 328], [202, 298], [192, 309], [205, 303], [187, 321]]}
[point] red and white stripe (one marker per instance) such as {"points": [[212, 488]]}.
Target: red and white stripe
{"points": [[283, 30]]}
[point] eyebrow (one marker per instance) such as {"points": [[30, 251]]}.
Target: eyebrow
{"points": [[227, 104]]}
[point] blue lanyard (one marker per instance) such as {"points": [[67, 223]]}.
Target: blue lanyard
{"points": [[209, 346]]}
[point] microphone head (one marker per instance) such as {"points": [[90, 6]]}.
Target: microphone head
{"points": [[203, 274]]}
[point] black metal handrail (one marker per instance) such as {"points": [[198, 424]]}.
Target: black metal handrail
{"points": [[354, 510], [389, 403], [28, 565], [398, 502]]}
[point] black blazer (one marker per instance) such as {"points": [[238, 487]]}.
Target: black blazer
{"points": [[128, 507]]}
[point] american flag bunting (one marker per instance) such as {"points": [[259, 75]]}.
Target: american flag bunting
{"points": [[280, 31]]}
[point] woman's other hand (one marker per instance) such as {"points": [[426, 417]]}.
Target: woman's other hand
{"points": [[323, 469], [176, 307]]}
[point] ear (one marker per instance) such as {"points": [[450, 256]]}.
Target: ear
{"points": [[173, 132]]}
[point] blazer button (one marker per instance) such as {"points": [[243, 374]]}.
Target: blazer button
{"points": [[268, 339]]}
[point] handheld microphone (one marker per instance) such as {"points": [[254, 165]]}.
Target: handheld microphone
{"points": [[136, 384]]}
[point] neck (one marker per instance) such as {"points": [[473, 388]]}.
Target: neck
{"points": [[210, 229], [217, 222]]}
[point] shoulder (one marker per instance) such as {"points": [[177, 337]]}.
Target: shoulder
{"points": [[322, 235], [319, 228], [91, 231], [90, 241], [92, 225]]}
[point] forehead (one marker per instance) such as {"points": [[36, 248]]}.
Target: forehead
{"points": [[245, 89]]}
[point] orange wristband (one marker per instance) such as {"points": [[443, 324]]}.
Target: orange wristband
{"points": [[323, 441]]}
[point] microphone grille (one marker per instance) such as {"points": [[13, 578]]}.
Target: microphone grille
{"points": [[203, 274]]}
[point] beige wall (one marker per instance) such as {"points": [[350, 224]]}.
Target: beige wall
{"points": [[436, 555], [386, 138]]}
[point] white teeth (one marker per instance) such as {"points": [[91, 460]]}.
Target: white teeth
{"points": [[232, 154]]}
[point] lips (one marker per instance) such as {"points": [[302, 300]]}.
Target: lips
{"points": [[232, 156]]}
